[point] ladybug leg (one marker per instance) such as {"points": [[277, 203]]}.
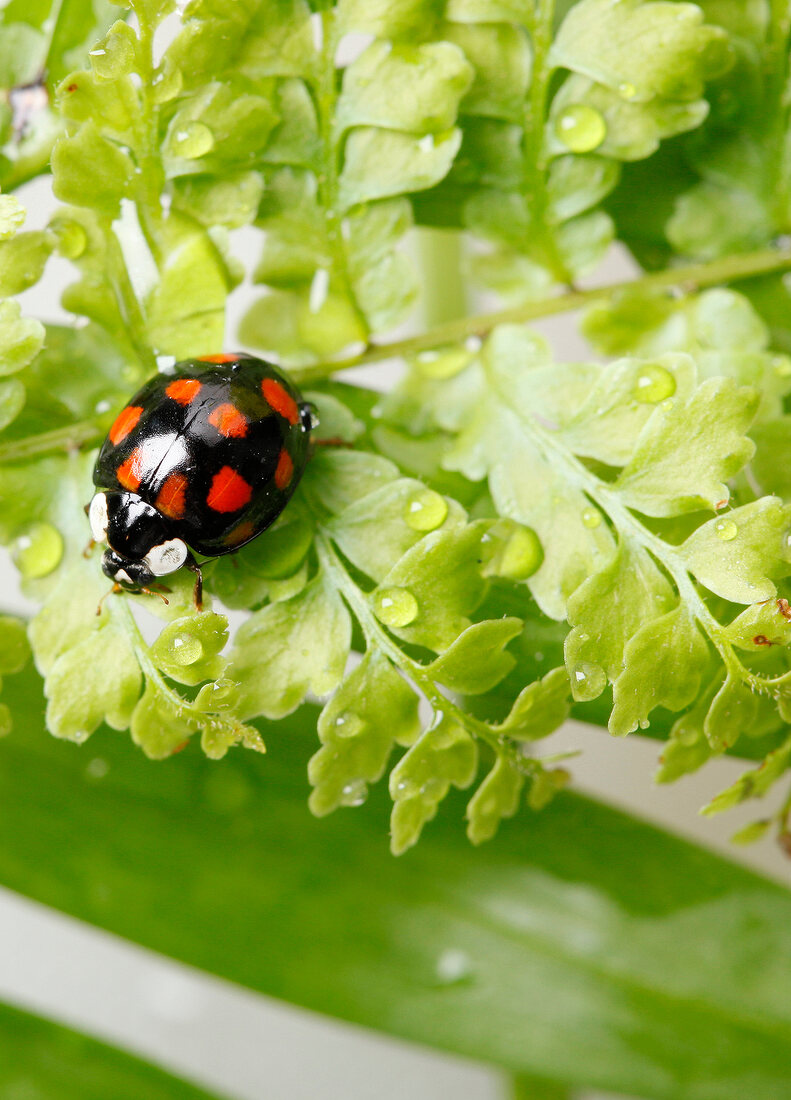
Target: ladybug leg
{"points": [[88, 550], [197, 594]]}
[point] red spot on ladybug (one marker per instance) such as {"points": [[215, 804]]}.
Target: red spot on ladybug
{"points": [[223, 358], [229, 491], [130, 472], [124, 423], [229, 421], [183, 390], [171, 500], [243, 532], [284, 470], [280, 400]]}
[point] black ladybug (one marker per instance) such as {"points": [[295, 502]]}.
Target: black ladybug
{"points": [[202, 459]]}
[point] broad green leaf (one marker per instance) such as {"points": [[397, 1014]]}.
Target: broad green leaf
{"points": [[639, 49], [445, 755], [410, 88], [539, 709], [496, 798], [730, 554], [673, 681], [732, 711], [606, 611], [760, 625], [687, 452], [21, 337], [22, 261], [91, 171], [523, 920], [439, 582], [477, 660], [39, 1058], [373, 708], [500, 55], [340, 477], [379, 163], [290, 648], [377, 530]]}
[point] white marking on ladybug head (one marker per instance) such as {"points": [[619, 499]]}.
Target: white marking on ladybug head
{"points": [[97, 515], [122, 575], [166, 558]]}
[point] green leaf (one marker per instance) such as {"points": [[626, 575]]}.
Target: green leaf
{"points": [[733, 710], [672, 682], [302, 642], [410, 88], [500, 55], [441, 574], [729, 555], [22, 261], [372, 708], [753, 783], [539, 708], [444, 756], [21, 338], [388, 18], [497, 798], [649, 1000], [186, 650], [91, 171], [41, 1059], [686, 453], [641, 49], [379, 163], [477, 660]]}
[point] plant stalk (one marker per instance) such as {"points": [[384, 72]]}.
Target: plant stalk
{"points": [[689, 278]]}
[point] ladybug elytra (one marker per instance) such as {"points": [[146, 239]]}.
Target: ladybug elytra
{"points": [[202, 459]]}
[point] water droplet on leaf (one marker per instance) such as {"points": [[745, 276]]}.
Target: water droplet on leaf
{"points": [[192, 140], [588, 681], [581, 128], [354, 793], [185, 648], [654, 384], [167, 84], [395, 606], [453, 966], [591, 517], [72, 238], [726, 529], [426, 510], [626, 90], [38, 551], [511, 550], [443, 362]]}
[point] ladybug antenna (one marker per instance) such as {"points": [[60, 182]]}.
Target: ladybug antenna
{"points": [[115, 589], [151, 592]]}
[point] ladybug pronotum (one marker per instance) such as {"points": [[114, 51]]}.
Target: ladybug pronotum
{"points": [[203, 459]]}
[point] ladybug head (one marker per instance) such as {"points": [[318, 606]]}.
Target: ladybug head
{"points": [[140, 546]]}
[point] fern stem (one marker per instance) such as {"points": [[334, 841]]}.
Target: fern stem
{"points": [[689, 278]]}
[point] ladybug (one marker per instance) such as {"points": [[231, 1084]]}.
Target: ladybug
{"points": [[201, 460]]}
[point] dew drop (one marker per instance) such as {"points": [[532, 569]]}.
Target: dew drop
{"points": [[395, 606], [354, 793], [588, 681], [654, 384], [511, 550], [443, 362], [644, 723], [726, 529], [591, 517], [581, 128], [38, 551], [185, 648], [97, 768], [426, 510], [192, 140], [453, 966], [72, 238], [348, 724], [627, 91]]}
